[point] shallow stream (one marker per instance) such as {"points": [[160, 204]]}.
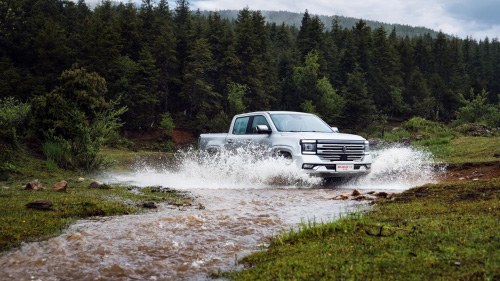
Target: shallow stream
{"points": [[241, 200]]}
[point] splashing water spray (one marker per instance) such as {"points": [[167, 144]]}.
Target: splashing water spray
{"points": [[396, 168]]}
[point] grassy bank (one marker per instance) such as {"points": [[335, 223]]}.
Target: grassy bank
{"points": [[20, 224], [473, 143], [464, 149], [434, 232]]}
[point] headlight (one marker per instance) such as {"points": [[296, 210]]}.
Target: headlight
{"points": [[367, 145], [308, 146]]}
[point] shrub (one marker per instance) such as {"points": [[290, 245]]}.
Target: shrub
{"points": [[424, 132], [168, 146], [12, 114], [235, 97], [167, 123], [74, 120], [477, 110], [421, 125], [57, 151]]}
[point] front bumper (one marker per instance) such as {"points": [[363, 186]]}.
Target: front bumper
{"points": [[313, 165]]}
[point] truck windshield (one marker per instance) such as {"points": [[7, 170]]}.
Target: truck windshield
{"points": [[286, 122]]}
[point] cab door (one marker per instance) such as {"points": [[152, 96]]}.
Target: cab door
{"points": [[257, 138], [245, 132]]}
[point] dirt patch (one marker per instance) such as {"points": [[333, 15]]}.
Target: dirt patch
{"points": [[180, 136], [154, 138], [471, 171]]}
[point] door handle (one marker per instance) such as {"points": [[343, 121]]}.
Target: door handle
{"points": [[230, 140]]}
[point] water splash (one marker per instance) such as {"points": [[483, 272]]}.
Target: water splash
{"points": [[398, 168], [395, 168], [243, 168]]}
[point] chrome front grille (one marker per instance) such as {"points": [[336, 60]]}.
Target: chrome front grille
{"points": [[331, 150]]}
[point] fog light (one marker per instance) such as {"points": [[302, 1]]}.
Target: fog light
{"points": [[307, 166], [368, 166]]}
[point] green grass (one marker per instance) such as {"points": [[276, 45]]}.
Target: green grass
{"points": [[121, 159], [20, 224], [447, 145], [463, 149], [433, 232]]}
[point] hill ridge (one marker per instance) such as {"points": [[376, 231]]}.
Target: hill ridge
{"points": [[295, 18]]}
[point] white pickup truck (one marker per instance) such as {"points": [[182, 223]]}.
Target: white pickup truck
{"points": [[313, 145]]}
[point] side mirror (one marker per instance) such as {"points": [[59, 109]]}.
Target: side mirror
{"points": [[335, 129], [262, 129]]}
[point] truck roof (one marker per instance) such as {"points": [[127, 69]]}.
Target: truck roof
{"points": [[274, 112]]}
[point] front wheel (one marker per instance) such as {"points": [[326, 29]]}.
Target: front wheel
{"points": [[285, 155]]}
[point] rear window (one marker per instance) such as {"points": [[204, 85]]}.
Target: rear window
{"points": [[240, 125]]}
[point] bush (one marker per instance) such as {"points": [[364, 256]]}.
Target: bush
{"points": [[12, 114], [74, 120], [475, 130], [477, 110], [57, 151], [167, 123], [168, 146], [422, 126], [424, 132]]}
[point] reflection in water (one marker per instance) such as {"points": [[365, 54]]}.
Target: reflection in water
{"points": [[247, 198]]}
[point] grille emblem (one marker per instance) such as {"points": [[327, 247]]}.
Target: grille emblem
{"points": [[344, 149]]}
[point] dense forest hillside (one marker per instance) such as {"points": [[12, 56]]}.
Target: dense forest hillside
{"points": [[70, 75], [295, 19]]}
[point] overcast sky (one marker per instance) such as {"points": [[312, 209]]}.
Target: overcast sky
{"points": [[476, 18]]}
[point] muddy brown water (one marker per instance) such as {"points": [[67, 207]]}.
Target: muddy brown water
{"points": [[172, 243], [246, 199]]}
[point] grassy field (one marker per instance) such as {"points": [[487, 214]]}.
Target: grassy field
{"points": [[20, 224], [122, 159], [434, 232], [448, 145], [464, 149]]}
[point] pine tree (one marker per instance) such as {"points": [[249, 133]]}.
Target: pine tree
{"points": [[310, 35], [136, 83], [129, 27], [418, 96], [360, 109], [251, 49], [385, 75], [203, 102], [102, 43], [163, 49]]}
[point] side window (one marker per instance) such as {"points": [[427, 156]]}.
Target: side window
{"points": [[258, 120], [240, 125]]}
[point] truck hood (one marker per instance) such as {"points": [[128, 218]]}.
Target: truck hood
{"points": [[322, 136]]}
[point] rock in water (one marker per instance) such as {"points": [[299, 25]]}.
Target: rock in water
{"points": [[355, 192], [149, 205], [34, 185], [99, 185], [40, 205], [60, 186], [381, 194]]}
